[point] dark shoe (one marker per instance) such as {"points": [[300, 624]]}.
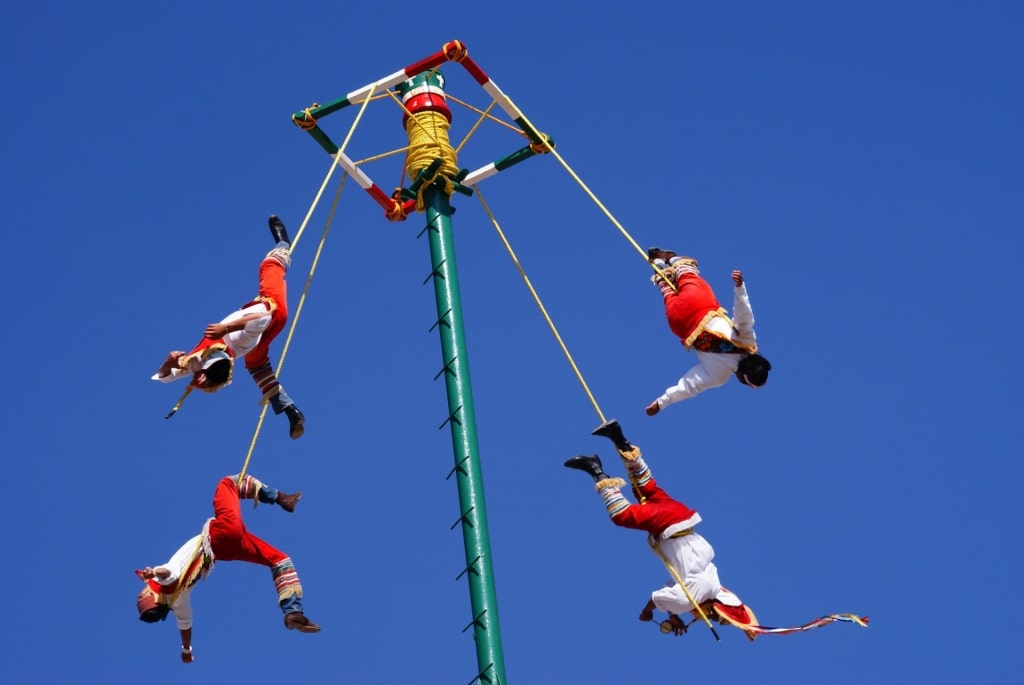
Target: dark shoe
{"points": [[295, 421], [658, 253], [591, 464], [288, 502], [278, 230], [298, 621], [613, 431]]}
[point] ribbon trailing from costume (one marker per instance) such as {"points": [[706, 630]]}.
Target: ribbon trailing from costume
{"points": [[816, 623]]}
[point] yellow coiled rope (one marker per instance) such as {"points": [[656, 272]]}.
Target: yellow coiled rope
{"points": [[428, 140]]}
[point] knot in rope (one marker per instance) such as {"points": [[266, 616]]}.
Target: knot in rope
{"points": [[308, 121], [540, 148], [397, 211], [454, 51]]}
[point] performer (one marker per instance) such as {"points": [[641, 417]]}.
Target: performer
{"points": [[247, 332], [723, 347], [669, 525], [224, 538]]}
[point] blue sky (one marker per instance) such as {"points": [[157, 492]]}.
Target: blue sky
{"points": [[861, 162]]}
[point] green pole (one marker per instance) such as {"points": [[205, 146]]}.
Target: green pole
{"points": [[462, 421], [424, 93]]}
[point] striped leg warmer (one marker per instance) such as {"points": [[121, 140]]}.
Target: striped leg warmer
{"points": [[658, 280], [266, 380], [282, 256], [636, 466], [610, 491], [249, 488], [286, 579], [683, 265]]}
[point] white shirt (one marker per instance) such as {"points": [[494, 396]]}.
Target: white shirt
{"points": [[713, 369], [177, 565], [241, 342], [691, 557]]}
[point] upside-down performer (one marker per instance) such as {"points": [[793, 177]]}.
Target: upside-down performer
{"points": [[248, 333], [724, 347], [670, 525], [224, 538]]}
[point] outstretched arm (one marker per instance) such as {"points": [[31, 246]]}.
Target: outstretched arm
{"points": [[742, 314], [186, 645], [169, 365]]}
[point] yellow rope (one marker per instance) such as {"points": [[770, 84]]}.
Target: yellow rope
{"points": [[295, 321], [486, 114], [428, 140], [675, 574], [546, 146], [536, 298], [312, 269], [382, 155], [330, 172], [472, 130]]}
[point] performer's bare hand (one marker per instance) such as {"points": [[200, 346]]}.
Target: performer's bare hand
{"points": [[652, 408], [186, 657], [678, 627], [646, 615], [216, 331], [170, 363], [737, 278]]}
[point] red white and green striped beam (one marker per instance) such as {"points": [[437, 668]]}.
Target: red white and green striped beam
{"points": [[453, 51]]}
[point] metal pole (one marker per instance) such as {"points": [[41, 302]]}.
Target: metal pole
{"points": [[461, 415]]}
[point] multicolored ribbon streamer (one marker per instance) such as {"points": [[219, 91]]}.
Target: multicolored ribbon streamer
{"points": [[816, 623]]}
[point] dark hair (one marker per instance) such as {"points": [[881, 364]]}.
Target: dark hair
{"points": [[156, 614], [753, 370], [218, 372], [151, 609]]}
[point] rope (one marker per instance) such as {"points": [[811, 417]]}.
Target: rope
{"points": [[428, 140], [675, 574], [545, 146], [312, 269], [308, 121], [483, 117], [295, 321], [536, 298], [486, 114]]}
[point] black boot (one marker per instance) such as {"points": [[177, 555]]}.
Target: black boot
{"points": [[613, 431], [591, 465], [278, 230], [295, 421]]}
